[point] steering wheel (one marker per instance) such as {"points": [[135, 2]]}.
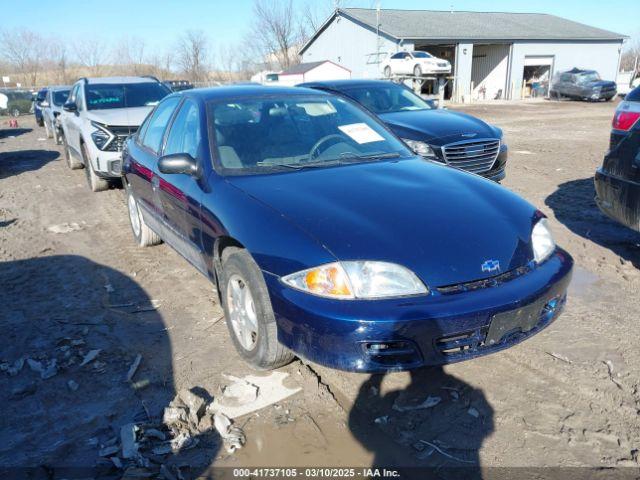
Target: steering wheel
{"points": [[323, 140]]}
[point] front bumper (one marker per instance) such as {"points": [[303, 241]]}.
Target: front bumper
{"points": [[435, 329], [106, 164], [618, 198]]}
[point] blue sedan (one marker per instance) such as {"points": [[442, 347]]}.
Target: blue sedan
{"points": [[329, 239]]}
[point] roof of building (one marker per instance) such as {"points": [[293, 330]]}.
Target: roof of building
{"points": [[462, 25], [302, 68]]}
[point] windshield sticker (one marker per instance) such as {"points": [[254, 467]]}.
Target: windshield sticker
{"points": [[317, 109], [361, 133]]}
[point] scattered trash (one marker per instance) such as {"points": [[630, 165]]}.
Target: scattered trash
{"points": [[195, 404], [14, 368], [428, 403], [109, 288], [473, 412], [523, 152], [559, 356], [47, 370], [382, 420], [442, 452], [183, 441], [108, 451], [128, 440], [140, 384], [232, 435], [609, 365], [251, 393], [73, 386], [133, 368], [89, 357], [65, 228]]}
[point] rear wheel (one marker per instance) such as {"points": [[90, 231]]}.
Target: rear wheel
{"points": [[417, 71], [387, 71], [96, 184], [249, 313], [145, 237]]}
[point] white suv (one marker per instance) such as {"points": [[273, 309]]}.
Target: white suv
{"points": [[98, 116], [414, 63]]}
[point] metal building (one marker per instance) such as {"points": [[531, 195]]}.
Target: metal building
{"points": [[494, 55]]}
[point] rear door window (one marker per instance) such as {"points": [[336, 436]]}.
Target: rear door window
{"points": [[157, 125]]}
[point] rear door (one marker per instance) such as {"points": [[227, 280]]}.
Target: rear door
{"points": [[181, 193], [71, 123], [142, 163]]}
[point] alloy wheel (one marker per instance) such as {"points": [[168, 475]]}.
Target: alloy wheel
{"points": [[242, 312]]}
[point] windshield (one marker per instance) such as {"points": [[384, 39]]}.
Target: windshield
{"points": [[290, 132], [60, 96], [421, 55], [104, 96], [387, 98], [588, 77]]}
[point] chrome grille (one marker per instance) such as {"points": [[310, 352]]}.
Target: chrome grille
{"points": [[120, 136], [476, 156]]}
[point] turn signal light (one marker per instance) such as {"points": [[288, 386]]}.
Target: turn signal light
{"points": [[625, 120]]}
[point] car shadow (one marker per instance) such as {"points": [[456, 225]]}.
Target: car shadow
{"points": [[21, 161], [573, 204], [438, 421], [13, 132], [64, 406]]}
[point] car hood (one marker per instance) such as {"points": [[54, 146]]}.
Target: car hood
{"points": [[437, 126], [602, 84], [125, 117], [441, 223]]}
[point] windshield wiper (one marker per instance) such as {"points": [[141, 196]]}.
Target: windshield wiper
{"points": [[372, 156]]}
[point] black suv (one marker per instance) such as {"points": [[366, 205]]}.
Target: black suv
{"points": [[583, 85], [618, 180]]}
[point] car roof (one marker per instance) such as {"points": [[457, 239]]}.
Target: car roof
{"points": [[57, 88], [245, 91], [112, 80], [339, 84]]}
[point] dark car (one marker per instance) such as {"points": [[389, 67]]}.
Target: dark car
{"points": [[457, 139], [583, 85], [37, 107], [618, 180], [327, 237]]}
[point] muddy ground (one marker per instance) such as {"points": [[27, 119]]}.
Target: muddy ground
{"points": [[72, 281]]}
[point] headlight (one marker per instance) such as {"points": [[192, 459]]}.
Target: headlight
{"points": [[420, 148], [101, 136], [542, 241], [357, 279]]}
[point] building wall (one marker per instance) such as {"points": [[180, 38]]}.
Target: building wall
{"points": [[462, 70], [327, 71], [599, 56], [350, 45], [489, 70]]}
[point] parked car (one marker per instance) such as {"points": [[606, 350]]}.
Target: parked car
{"points": [[37, 106], [583, 85], [327, 237], [52, 109], [626, 82], [617, 182], [19, 102], [455, 138], [98, 116], [178, 85], [414, 63]]}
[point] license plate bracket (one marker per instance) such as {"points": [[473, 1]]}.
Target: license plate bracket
{"points": [[522, 319]]}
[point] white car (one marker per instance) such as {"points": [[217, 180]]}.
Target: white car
{"points": [[414, 63]]}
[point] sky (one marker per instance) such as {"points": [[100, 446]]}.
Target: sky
{"points": [[160, 22]]}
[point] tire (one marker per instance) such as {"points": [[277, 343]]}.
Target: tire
{"points": [[57, 134], [144, 236], [417, 71], [96, 184], [72, 163], [48, 130], [261, 348], [387, 71], [40, 122]]}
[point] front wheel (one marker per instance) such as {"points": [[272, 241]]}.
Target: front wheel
{"points": [[249, 313], [387, 71], [48, 130], [96, 184], [417, 71]]}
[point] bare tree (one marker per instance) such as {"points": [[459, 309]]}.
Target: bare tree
{"points": [[631, 55], [131, 56], [276, 31], [93, 55], [24, 51], [192, 54], [58, 57]]}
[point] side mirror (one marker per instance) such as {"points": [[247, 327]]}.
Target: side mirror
{"points": [[70, 107], [179, 163], [44, 104]]}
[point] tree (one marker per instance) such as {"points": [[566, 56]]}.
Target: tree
{"points": [[276, 31], [93, 55], [131, 56], [193, 49], [631, 55], [24, 50], [59, 60]]}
